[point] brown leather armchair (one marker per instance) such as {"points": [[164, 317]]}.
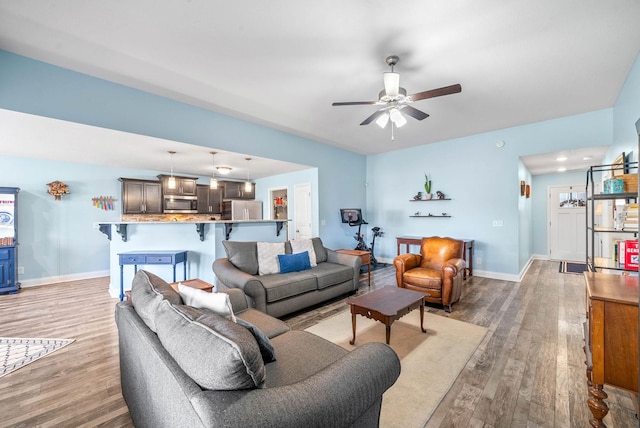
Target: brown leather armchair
{"points": [[437, 271]]}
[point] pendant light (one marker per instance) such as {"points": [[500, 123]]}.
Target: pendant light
{"points": [[247, 184], [171, 184], [213, 181]]}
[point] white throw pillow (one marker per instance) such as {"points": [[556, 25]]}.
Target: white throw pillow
{"points": [[216, 302], [268, 257], [302, 245]]}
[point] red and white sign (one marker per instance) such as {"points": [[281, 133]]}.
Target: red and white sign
{"points": [[631, 254]]}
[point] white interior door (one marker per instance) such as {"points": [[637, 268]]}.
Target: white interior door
{"points": [[302, 211], [567, 223]]}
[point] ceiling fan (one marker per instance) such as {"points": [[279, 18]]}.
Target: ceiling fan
{"points": [[395, 101]]}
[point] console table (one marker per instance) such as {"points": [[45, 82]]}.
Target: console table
{"points": [[467, 254], [611, 338], [136, 258]]}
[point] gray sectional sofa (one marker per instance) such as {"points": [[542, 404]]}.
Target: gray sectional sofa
{"points": [[280, 294], [187, 367]]}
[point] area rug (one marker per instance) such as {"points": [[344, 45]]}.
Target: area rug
{"points": [[569, 267], [431, 361], [18, 352]]}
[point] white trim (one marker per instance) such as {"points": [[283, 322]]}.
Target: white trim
{"points": [[63, 278]]}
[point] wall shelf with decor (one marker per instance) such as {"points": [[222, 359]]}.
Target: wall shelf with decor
{"points": [[429, 200], [617, 224], [431, 216]]}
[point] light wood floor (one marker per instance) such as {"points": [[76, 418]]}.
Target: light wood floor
{"points": [[528, 372]]}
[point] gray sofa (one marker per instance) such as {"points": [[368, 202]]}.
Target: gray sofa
{"points": [[281, 294], [187, 367]]}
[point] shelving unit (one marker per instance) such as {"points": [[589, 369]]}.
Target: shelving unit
{"points": [[444, 215], [597, 263]]}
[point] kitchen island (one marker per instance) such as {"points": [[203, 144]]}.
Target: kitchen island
{"points": [[202, 239]]}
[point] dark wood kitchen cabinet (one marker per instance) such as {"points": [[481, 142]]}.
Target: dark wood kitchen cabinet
{"points": [[141, 196], [236, 190], [209, 200], [185, 186]]}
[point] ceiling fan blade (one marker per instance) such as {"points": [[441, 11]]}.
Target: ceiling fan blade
{"points": [[373, 117], [355, 103], [447, 90], [414, 112]]}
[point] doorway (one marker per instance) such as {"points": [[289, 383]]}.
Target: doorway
{"points": [[567, 223], [279, 204], [302, 211]]}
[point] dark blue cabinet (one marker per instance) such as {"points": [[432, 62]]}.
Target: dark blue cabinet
{"points": [[8, 239]]}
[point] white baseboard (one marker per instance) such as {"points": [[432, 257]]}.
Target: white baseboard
{"points": [[62, 278], [496, 275]]}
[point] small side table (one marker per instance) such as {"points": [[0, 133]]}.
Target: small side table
{"points": [[194, 283], [136, 258], [365, 257]]}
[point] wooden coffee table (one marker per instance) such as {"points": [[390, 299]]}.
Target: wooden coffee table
{"points": [[386, 305]]}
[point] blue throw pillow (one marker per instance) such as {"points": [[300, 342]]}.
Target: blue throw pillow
{"points": [[294, 262]]}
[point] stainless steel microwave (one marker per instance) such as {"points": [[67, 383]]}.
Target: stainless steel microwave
{"points": [[180, 205]]}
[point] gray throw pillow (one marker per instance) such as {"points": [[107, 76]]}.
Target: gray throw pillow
{"points": [[243, 255], [147, 292], [321, 252], [266, 347], [215, 352]]}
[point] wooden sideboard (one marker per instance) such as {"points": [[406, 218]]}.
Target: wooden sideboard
{"points": [[611, 338]]}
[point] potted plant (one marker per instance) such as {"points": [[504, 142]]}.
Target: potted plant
{"points": [[427, 187]]}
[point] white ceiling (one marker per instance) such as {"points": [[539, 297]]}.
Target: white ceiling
{"points": [[282, 63]]}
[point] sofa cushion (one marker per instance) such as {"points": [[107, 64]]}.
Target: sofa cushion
{"points": [[220, 303], [215, 352], [266, 348], [301, 245], [329, 274], [147, 292], [294, 262], [281, 286], [300, 355], [268, 253], [243, 255], [321, 252]]}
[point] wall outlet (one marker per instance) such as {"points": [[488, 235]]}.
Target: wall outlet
{"points": [[478, 260], [20, 270], [497, 223]]}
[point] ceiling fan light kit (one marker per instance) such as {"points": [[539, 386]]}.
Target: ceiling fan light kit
{"points": [[393, 99]]}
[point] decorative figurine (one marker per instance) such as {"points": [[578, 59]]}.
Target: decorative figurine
{"points": [[418, 196], [440, 194]]}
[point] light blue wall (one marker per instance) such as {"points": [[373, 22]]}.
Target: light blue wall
{"points": [[57, 238], [38, 88], [482, 180], [525, 224], [626, 114]]}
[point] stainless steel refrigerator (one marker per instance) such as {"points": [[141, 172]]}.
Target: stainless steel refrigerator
{"points": [[241, 210]]}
